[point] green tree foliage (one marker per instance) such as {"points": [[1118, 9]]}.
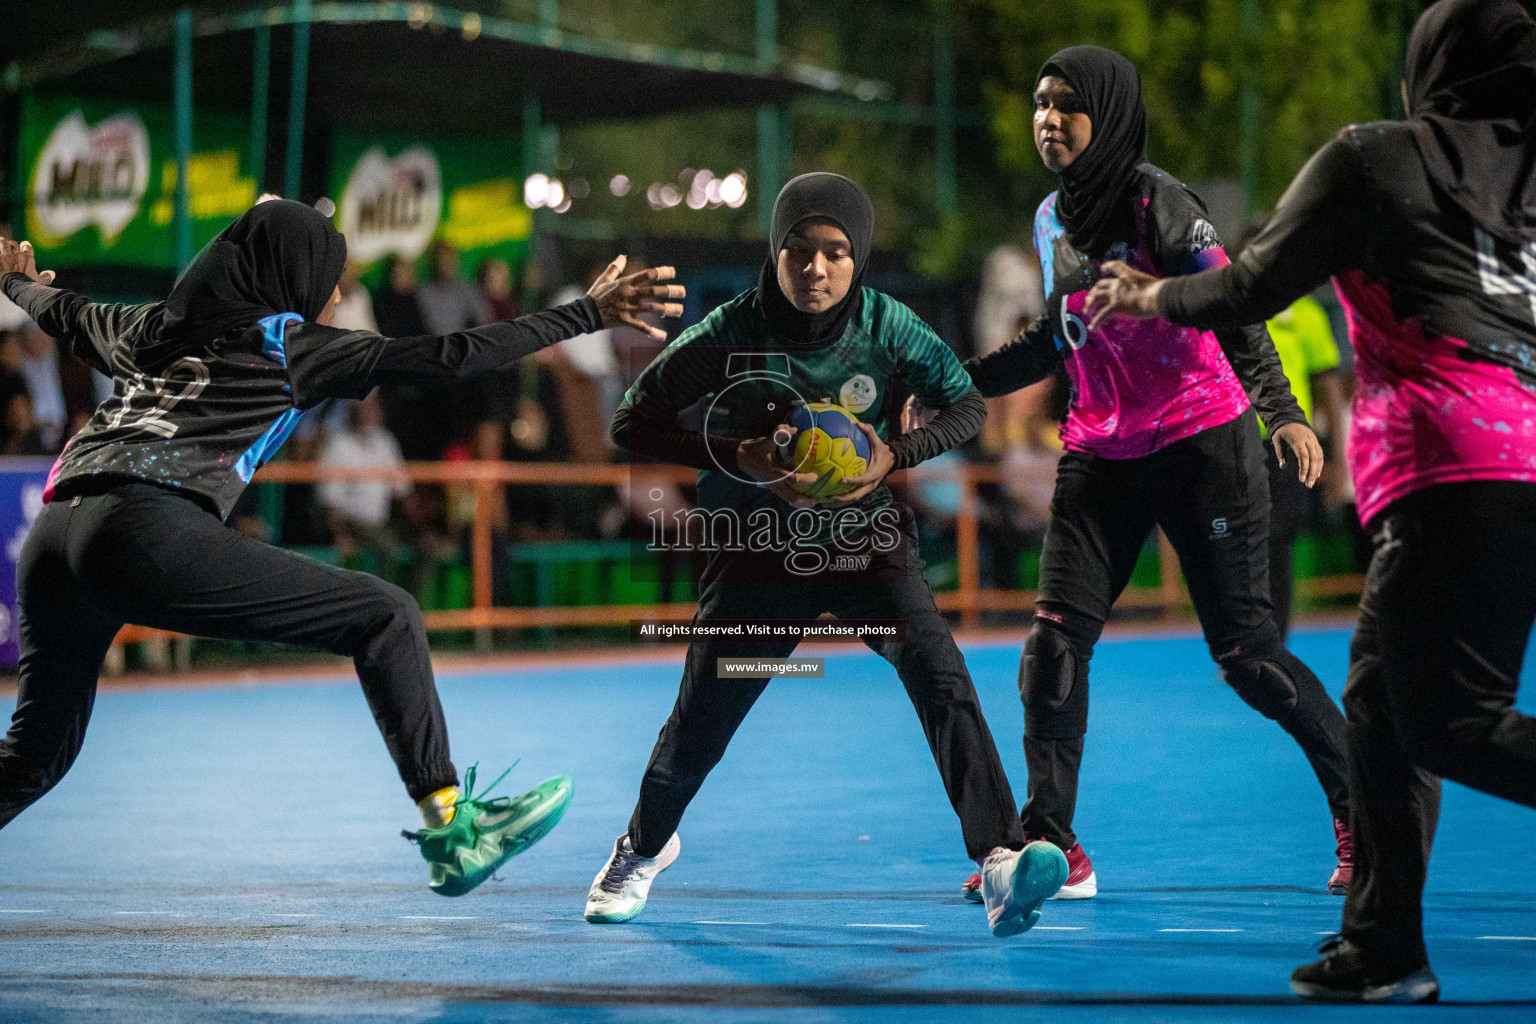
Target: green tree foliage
{"points": [[1317, 65]]}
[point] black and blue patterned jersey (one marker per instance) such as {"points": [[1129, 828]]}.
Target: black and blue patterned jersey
{"points": [[204, 424]]}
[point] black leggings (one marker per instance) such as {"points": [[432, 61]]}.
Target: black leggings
{"points": [[143, 554], [1210, 494], [709, 709], [1449, 602]]}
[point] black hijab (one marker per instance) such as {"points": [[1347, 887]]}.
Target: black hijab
{"points": [[844, 203], [277, 257], [1471, 75], [1093, 202]]}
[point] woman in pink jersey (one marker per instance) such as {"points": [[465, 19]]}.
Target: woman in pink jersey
{"points": [[1428, 227], [1160, 432]]}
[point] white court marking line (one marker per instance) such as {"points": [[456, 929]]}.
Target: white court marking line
{"points": [[294, 915], [434, 917], [1219, 931], [885, 926], [730, 922], [1056, 928], [1508, 938], [23, 911], [146, 913]]}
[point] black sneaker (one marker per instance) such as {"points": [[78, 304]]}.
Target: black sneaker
{"points": [[1340, 977]]}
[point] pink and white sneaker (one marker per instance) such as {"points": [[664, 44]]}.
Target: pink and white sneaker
{"points": [[1338, 882], [1082, 882]]}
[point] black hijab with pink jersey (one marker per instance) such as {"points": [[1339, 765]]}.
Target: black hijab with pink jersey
{"points": [[1094, 198]]}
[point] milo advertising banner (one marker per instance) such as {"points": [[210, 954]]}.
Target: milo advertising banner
{"points": [[99, 180], [395, 195]]}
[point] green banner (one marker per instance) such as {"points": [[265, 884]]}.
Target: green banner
{"points": [[396, 195], [100, 180]]}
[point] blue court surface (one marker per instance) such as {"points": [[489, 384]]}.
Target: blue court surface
{"points": [[232, 853]]}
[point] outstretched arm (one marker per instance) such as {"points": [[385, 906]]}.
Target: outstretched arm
{"points": [[1320, 228], [89, 327], [325, 362], [1028, 358]]}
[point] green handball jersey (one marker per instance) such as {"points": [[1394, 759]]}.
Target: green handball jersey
{"points": [[733, 378]]}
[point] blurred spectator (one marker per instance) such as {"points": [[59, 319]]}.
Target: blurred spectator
{"points": [[414, 411], [12, 358], [483, 445], [355, 312], [595, 393], [11, 316], [1010, 292], [1010, 296], [448, 303], [304, 519], [495, 280], [1014, 514], [21, 433], [40, 367], [358, 510], [394, 304]]}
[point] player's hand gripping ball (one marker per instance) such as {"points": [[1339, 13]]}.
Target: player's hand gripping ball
{"points": [[829, 443]]}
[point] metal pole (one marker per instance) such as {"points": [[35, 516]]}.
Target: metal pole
{"points": [[182, 218], [1248, 106], [945, 189], [298, 86], [770, 124], [260, 77]]}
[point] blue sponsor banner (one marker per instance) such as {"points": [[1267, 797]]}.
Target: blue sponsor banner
{"points": [[21, 499]]}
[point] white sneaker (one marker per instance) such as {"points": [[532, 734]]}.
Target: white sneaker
{"points": [[1014, 883], [618, 892]]}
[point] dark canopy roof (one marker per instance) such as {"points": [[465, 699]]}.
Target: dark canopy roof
{"points": [[376, 63]]}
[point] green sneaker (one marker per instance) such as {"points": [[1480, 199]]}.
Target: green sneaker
{"points": [[485, 834]]}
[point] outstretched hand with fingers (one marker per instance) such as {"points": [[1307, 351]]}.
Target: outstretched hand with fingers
{"points": [[18, 258], [1126, 291], [621, 300]]}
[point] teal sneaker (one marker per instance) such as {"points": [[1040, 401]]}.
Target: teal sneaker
{"points": [[485, 834], [1015, 883]]}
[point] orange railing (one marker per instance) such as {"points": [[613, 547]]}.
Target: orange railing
{"points": [[1169, 599]]}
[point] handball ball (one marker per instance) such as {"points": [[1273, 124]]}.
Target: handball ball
{"points": [[829, 443]]}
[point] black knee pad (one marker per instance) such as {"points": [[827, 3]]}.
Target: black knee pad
{"points": [[1264, 676], [1053, 684]]}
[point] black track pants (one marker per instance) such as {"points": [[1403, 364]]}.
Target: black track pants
{"points": [[143, 554], [1210, 495], [709, 709], [1449, 602]]}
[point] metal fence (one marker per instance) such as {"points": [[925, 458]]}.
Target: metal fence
{"points": [[1167, 600]]}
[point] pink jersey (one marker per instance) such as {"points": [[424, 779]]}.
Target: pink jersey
{"points": [[1424, 413], [1137, 385]]}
